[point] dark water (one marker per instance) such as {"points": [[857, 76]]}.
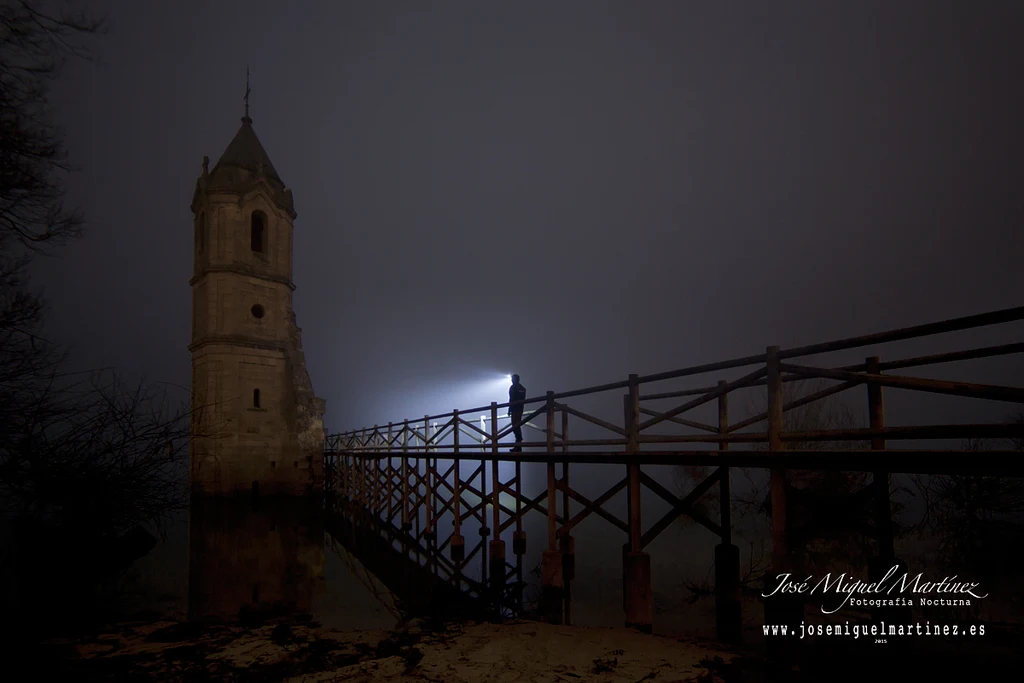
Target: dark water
{"points": [[227, 558]]}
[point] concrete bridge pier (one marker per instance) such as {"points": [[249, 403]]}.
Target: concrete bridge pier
{"points": [[551, 595], [637, 593], [497, 568], [496, 573], [519, 543], [567, 544], [458, 549]]}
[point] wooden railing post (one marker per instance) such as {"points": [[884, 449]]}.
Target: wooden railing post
{"points": [[378, 469], [497, 547], [551, 561], [340, 463], [779, 608], [781, 559], [374, 467], [883, 504], [886, 560], [358, 476], [406, 526], [728, 617], [458, 543], [519, 536], [359, 463], [484, 530], [550, 460], [633, 469], [342, 477], [495, 500], [352, 504], [636, 564], [358, 480], [415, 507], [349, 481], [368, 487], [390, 483], [567, 544], [724, 496], [428, 480]]}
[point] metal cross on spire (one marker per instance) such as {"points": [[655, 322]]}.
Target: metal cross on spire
{"points": [[247, 91]]}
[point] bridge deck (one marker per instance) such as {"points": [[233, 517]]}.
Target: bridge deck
{"points": [[1004, 463]]}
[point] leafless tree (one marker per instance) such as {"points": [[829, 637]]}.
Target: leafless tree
{"points": [[97, 452], [974, 519], [84, 458], [35, 45]]}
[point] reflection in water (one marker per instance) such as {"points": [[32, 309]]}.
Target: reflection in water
{"points": [[248, 560]]}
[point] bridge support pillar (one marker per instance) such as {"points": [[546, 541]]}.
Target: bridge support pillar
{"points": [[551, 587], [497, 554], [567, 544], [458, 549], [728, 611], [639, 598], [519, 542], [625, 580]]}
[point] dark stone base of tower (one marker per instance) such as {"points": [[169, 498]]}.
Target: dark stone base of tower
{"points": [[266, 560]]}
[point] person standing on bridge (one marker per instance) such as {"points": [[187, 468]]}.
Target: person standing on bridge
{"points": [[516, 392]]}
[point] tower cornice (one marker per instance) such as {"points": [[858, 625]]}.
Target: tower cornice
{"points": [[237, 340], [241, 270]]}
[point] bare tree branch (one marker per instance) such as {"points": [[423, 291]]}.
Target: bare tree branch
{"points": [[35, 45]]}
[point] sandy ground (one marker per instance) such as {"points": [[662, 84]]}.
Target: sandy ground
{"points": [[286, 651]]}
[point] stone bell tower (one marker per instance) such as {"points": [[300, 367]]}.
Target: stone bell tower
{"points": [[257, 426]]}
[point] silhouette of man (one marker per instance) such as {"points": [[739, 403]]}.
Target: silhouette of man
{"points": [[516, 392]]}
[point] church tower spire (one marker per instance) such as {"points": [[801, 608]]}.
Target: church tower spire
{"points": [[246, 119], [258, 424]]}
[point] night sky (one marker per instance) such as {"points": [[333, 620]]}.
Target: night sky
{"points": [[573, 191]]}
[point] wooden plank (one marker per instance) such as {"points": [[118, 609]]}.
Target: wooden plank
{"points": [[971, 354], [986, 391], [670, 517], [593, 420], [682, 421], [952, 325], [745, 437], [1004, 462], [595, 507], [961, 431], [710, 396], [811, 398]]}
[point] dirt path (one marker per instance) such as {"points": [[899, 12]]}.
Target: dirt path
{"points": [[286, 651]]}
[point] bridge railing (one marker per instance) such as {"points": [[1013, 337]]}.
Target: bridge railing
{"points": [[481, 429]]}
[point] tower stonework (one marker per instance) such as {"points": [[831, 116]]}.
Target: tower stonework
{"points": [[257, 425]]}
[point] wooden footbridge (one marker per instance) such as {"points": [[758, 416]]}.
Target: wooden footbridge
{"points": [[422, 482]]}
